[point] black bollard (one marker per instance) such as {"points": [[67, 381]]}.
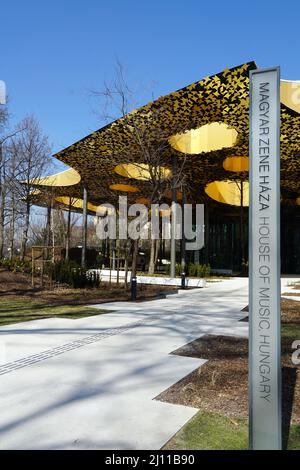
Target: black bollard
{"points": [[133, 288], [183, 280]]}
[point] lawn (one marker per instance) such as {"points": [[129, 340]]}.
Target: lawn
{"points": [[213, 431], [15, 311], [20, 302]]}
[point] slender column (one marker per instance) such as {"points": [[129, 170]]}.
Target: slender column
{"points": [[173, 218], [84, 227], [183, 251], [47, 239], [113, 244], [243, 260], [53, 232], [68, 229], [206, 234]]}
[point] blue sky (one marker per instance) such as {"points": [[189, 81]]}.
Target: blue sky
{"points": [[53, 53]]}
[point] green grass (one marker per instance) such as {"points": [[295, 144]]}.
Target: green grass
{"points": [[294, 438], [15, 311], [212, 431], [290, 331]]}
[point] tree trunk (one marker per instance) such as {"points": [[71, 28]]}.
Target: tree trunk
{"points": [[12, 225], [173, 218], [68, 230], [183, 240], [206, 235], [242, 238], [13, 211], [2, 206], [84, 229], [157, 246], [25, 232], [126, 272], [48, 231], [152, 260], [52, 231], [113, 245], [135, 252]]}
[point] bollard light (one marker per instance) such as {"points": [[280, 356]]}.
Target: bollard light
{"points": [[133, 288]]}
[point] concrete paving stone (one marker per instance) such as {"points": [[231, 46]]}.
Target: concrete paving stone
{"points": [[91, 383]]}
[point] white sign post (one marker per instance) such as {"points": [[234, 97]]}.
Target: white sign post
{"points": [[264, 261]]}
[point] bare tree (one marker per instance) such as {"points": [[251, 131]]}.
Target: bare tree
{"points": [[12, 213], [4, 178], [3, 122], [33, 158], [3, 117], [151, 148]]}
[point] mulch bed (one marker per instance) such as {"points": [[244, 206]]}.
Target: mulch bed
{"points": [[290, 311], [17, 286], [221, 384]]}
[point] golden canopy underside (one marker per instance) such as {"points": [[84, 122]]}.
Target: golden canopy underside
{"points": [[43, 199], [234, 193], [69, 177], [221, 98]]}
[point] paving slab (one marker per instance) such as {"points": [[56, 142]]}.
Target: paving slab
{"points": [[91, 383]]}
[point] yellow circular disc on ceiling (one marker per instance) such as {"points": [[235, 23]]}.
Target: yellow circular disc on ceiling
{"points": [[168, 194], [236, 164], [68, 177], [165, 212], [143, 200], [75, 203], [229, 192], [290, 94], [214, 136], [124, 187], [141, 171], [298, 201]]}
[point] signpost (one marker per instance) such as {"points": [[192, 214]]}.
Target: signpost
{"points": [[264, 261]]}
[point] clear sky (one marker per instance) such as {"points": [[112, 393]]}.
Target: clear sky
{"points": [[54, 52]]}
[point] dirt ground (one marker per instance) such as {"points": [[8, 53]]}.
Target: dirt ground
{"points": [[290, 311], [16, 286], [221, 384]]}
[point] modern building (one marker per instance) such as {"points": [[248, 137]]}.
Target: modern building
{"points": [[194, 144]]}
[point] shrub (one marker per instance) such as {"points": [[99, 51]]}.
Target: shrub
{"points": [[16, 265], [198, 270], [192, 270], [69, 272], [177, 269]]}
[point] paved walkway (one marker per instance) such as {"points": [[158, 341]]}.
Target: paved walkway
{"points": [[90, 383], [290, 289]]}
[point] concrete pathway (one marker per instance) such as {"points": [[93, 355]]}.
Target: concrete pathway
{"points": [[90, 383], [289, 289]]}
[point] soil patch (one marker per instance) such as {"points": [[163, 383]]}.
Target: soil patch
{"points": [[221, 384]]}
